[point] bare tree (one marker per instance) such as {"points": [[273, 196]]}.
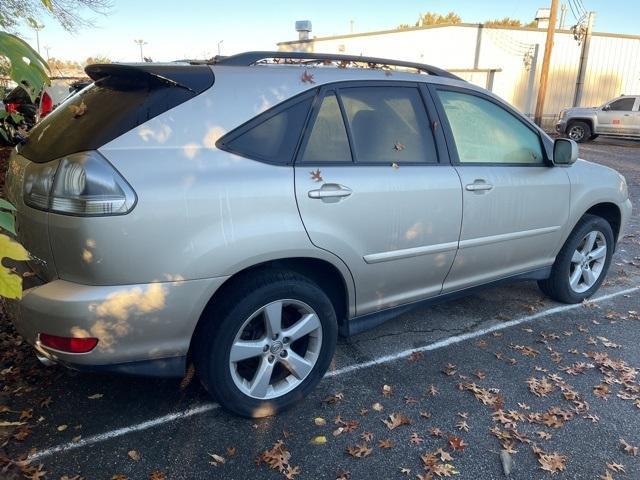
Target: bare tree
{"points": [[69, 13]]}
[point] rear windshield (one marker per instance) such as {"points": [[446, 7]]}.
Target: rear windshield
{"points": [[104, 111]]}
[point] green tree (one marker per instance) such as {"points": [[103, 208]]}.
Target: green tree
{"points": [[431, 18], [97, 59], [67, 13], [509, 22]]}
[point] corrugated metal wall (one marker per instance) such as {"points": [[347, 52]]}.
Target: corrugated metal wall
{"points": [[613, 66]]}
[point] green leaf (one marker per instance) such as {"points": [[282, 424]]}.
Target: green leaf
{"points": [[11, 284], [8, 222], [3, 114], [6, 205], [28, 68], [4, 134], [16, 117], [48, 4]]}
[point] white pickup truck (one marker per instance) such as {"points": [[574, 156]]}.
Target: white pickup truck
{"points": [[617, 117]]}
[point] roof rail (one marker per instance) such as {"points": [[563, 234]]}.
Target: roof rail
{"points": [[251, 58]]}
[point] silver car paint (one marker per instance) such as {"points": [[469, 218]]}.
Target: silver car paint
{"points": [[398, 230], [513, 227], [204, 214]]}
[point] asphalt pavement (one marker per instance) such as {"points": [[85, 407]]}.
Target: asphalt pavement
{"points": [[435, 366]]}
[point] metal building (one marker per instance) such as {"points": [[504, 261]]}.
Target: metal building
{"points": [[507, 60]]}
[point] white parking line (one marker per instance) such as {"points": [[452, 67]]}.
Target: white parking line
{"points": [[207, 407]]}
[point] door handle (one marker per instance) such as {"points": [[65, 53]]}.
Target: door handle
{"points": [[330, 190], [478, 187]]}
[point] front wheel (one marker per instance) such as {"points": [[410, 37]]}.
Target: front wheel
{"points": [[579, 131], [266, 344], [582, 263]]}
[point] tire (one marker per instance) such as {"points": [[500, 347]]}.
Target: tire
{"points": [[242, 316], [579, 131], [559, 285]]}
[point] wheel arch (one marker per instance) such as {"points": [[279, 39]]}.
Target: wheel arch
{"points": [[587, 120], [610, 212], [335, 282]]}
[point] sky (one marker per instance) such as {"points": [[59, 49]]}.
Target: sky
{"points": [[197, 28]]}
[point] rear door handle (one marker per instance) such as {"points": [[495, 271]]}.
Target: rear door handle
{"points": [[330, 190], [477, 187]]}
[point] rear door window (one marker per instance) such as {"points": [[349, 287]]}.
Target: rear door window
{"points": [[389, 124], [328, 141]]}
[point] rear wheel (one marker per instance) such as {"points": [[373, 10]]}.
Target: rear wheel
{"points": [[266, 344], [583, 262], [579, 131]]}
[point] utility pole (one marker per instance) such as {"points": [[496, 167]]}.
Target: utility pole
{"points": [[584, 58], [546, 61], [46, 49], [140, 42], [38, 28], [563, 15]]}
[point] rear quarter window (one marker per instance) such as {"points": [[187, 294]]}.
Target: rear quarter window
{"points": [[273, 135]]}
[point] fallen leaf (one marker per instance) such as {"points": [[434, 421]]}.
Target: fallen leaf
{"points": [[78, 110], [386, 443], [62, 428], [457, 444], [307, 77], [157, 475], [395, 420], [134, 455], [95, 396], [319, 440], [359, 451], [216, 459], [317, 177], [377, 407], [628, 448], [616, 467], [552, 462], [319, 421]]}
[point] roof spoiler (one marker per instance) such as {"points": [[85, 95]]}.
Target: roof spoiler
{"points": [[195, 78]]}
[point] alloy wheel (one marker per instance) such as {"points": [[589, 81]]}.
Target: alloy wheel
{"points": [[275, 349], [587, 262], [576, 133]]}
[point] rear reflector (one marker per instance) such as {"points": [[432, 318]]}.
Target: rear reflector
{"points": [[46, 105], [68, 344]]}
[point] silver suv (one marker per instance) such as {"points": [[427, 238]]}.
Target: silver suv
{"points": [[241, 213], [618, 117]]}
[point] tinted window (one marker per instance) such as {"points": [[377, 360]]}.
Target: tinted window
{"points": [[328, 140], [388, 124], [118, 102], [486, 133], [273, 139], [624, 104]]}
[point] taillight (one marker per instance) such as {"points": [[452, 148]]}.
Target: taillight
{"points": [[11, 107], [46, 105], [83, 184], [68, 344]]}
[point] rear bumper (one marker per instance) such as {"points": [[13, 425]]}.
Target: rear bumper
{"points": [[142, 329]]}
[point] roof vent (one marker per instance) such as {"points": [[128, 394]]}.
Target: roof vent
{"points": [[303, 27]]}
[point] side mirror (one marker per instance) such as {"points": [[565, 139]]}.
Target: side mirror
{"points": [[606, 108], [565, 151]]}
